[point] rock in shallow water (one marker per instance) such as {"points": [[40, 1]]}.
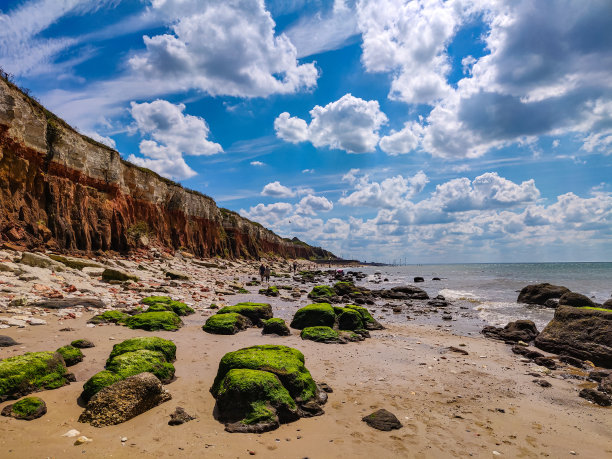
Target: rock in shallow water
{"points": [[124, 400], [539, 293], [521, 330], [382, 420]]}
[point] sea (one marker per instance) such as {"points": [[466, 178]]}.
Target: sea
{"points": [[491, 289]]}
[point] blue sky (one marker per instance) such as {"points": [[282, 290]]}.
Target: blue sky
{"points": [[427, 130]]}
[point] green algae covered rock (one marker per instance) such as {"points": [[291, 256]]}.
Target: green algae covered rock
{"points": [[143, 360], [116, 275], [226, 324], [256, 312], [370, 323], [82, 343], [71, 355], [272, 290], [258, 387], [321, 292], [344, 288], [98, 382], [249, 398], [320, 334], [313, 315], [275, 326], [27, 408], [151, 343], [165, 303], [23, 374], [349, 319], [152, 321], [115, 317]]}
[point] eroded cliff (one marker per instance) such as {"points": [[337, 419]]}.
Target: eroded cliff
{"points": [[62, 191]]}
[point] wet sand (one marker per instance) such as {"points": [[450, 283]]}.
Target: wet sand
{"points": [[451, 405]]}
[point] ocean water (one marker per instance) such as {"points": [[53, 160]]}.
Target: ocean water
{"points": [[491, 289]]}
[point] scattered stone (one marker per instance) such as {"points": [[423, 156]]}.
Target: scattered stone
{"points": [[179, 417], [124, 400], [82, 440], [40, 261], [7, 341], [71, 433], [382, 420], [82, 344], [27, 408], [605, 384], [320, 334], [313, 315], [35, 321], [571, 361], [521, 330], [545, 362], [595, 396], [542, 382], [152, 321]]}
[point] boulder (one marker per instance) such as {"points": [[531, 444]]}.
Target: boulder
{"points": [[255, 312], [584, 333], [321, 292], [320, 334], [112, 317], [124, 400], [71, 355], [173, 275], [152, 321], [539, 293], [382, 420], [41, 261], [82, 344], [27, 408], [607, 304], [349, 319], [272, 290], [595, 396], [406, 292], [259, 387], [117, 275], [418, 279], [23, 374], [369, 322], [605, 384], [179, 417], [576, 299], [275, 326], [7, 341], [317, 314], [226, 324], [521, 330], [59, 303], [150, 343], [165, 303]]}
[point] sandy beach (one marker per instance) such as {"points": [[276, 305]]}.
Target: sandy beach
{"points": [[483, 404]]}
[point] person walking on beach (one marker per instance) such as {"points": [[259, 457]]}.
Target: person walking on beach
{"points": [[262, 272], [267, 274], [294, 267]]}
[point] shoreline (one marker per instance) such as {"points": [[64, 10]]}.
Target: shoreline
{"points": [[451, 405]]}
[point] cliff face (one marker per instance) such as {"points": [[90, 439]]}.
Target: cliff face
{"points": [[63, 191]]}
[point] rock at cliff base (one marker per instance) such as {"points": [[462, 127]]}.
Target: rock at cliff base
{"points": [[71, 355], [226, 324], [584, 333], [179, 417], [124, 400], [153, 321], [521, 330], [7, 341], [173, 275], [275, 326], [382, 420], [313, 315], [117, 275], [576, 299], [41, 261], [255, 312], [23, 374], [539, 293], [27, 409], [259, 387], [60, 303]]}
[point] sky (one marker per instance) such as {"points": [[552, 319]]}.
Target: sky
{"points": [[425, 131]]}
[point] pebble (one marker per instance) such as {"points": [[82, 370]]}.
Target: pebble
{"points": [[71, 433], [82, 439], [496, 453], [124, 439]]}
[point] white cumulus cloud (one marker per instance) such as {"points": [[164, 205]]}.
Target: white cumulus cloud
{"points": [[277, 190], [312, 205]]}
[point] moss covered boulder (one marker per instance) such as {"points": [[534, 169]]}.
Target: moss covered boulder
{"points": [[98, 382], [150, 343], [226, 324], [275, 326], [259, 387], [272, 290], [313, 315], [82, 343], [321, 292], [256, 312], [350, 319], [143, 360], [23, 374], [369, 322], [165, 303], [27, 408], [152, 321], [72, 355], [321, 334], [115, 317], [117, 275]]}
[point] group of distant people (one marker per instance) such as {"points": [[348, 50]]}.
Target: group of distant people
{"points": [[264, 271]]}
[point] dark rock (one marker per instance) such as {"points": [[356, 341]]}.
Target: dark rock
{"points": [[124, 400], [576, 299], [435, 279], [598, 375], [542, 382], [27, 409], [605, 384], [437, 303], [82, 344], [539, 293], [582, 333], [545, 362], [382, 420], [418, 279], [521, 330], [275, 326], [325, 388], [551, 303], [447, 317], [607, 304], [179, 417], [117, 275], [458, 350], [56, 303], [406, 292], [595, 396], [573, 361], [7, 341]]}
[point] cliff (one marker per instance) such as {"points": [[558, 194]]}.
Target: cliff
{"points": [[62, 191]]}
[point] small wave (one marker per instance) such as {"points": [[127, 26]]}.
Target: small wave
{"points": [[499, 313], [458, 295]]}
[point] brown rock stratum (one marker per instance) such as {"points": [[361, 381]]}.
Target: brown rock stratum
{"points": [[62, 191]]}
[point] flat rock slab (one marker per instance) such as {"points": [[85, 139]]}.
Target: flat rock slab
{"points": [[382, 420], [56, 303]]}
